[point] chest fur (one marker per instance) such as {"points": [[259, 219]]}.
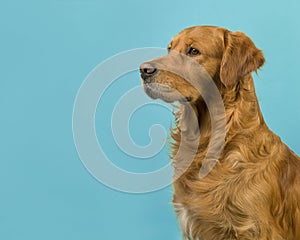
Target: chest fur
{"points": [[217, 211]]}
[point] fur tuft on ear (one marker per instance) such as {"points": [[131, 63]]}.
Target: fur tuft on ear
{"points": [[240, 58]]}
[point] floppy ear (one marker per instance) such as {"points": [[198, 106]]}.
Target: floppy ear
{"points": [[240, 58]]}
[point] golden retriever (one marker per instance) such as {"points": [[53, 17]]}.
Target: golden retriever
{"points": [[253, 192]]}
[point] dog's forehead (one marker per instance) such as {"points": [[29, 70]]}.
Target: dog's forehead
{"points": [[206, 37]]}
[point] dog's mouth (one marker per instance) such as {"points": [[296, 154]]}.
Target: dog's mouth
{"points": [[164, 92]]}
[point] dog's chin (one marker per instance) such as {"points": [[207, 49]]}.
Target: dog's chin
{"points": [[165, 93]]}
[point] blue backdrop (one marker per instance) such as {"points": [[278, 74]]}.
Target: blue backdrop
{"points": [[47, 48]]}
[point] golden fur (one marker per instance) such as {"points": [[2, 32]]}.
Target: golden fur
{"points": [[254, 190]]}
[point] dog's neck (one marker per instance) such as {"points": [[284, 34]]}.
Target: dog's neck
{"points": [[241, 108], [242, 114]]}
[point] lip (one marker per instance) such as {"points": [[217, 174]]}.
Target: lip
{"points": [[164, 92], [159, 87]]}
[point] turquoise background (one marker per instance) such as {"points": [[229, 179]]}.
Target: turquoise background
{"points": [[47, 48]]}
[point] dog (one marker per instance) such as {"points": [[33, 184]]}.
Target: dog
{"points": [[253, 189]]}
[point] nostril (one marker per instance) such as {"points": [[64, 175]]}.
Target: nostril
{"points": [[148, 69]]}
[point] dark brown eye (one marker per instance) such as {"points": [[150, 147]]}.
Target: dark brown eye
{"points": [[193, 52]]}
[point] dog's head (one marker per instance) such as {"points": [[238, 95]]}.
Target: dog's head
{"points": [[226, 56]]}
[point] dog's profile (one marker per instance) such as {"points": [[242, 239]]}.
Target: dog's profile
{"points": [[253, 192]]}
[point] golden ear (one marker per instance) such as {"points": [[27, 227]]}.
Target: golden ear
{"points": [[240, 58]]}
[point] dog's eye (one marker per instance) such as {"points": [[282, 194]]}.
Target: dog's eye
{"points": [[193, 52]]}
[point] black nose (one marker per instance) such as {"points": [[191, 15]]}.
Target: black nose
{"points": [[147, 70]]}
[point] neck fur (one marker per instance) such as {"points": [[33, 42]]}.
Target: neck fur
{"points": [[242, 108], [242, 114]]}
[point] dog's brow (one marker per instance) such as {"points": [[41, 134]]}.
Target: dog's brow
{"points": [[190, 41], [174, 43]]}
